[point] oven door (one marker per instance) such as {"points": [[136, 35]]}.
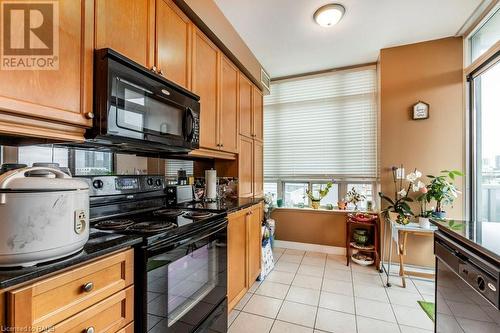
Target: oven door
{"points": [[185, 281]]}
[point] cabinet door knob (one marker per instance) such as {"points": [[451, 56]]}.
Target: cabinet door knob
{"points": [[90, 329], [88, 287], [154, 69], [89, 115]]}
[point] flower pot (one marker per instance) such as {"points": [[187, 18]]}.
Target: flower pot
{"points": [[342, 204], [393, 216], [360, 236], [315, 204], [424, 222], [439, 215]]}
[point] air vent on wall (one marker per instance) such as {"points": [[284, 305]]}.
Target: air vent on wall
{"points": [[265, 79]]}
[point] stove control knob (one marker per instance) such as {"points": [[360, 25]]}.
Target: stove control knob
{"points": [[158, 182], [98, 184], [150, 181]]}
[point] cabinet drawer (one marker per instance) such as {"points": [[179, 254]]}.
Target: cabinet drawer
{"points": [[50, 301], [107, 316]]}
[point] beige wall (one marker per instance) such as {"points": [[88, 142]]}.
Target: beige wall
{"points": [[432, 72], [306, 226]]}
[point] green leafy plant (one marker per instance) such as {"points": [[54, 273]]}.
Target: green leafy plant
{"points": [[401, 199], [321, 193], [399, 205], [442, 189]]}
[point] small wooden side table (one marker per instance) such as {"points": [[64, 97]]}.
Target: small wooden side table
{"points": [[373, 224]]}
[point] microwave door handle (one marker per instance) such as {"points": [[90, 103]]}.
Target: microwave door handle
{"points": [[189, 114]]}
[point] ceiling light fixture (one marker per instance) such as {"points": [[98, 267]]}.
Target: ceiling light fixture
{"points": [[329, 15]]}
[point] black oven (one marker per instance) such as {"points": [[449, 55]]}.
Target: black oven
{"points": [[138, 110], [181, 283]]}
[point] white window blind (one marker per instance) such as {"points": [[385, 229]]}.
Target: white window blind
{"points": [[322, 126], [171, 167]]}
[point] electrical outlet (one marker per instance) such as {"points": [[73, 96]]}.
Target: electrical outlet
{"points": [[81, 221]]}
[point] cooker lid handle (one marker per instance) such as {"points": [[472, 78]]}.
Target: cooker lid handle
{"points": [[6, 178]]}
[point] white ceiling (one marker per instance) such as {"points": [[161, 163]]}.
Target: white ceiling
{"points": [[286, 40]]}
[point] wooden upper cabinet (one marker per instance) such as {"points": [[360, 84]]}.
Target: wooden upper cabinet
{"points": [[173, 43], [205, 81], [245, 167], [245, 106], [236, 256], [258, 115], [228, 116], [63, 94], [258, 168], [125, 26]]}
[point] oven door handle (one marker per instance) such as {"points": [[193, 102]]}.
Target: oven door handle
{"points": [[168, 243]]}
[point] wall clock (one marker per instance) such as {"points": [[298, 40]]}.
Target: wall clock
{"points": [[420, 110]]}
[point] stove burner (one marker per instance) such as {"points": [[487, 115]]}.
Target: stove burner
{"points": [[197, 215], [151, 227], [114, 224], [166, 212]]}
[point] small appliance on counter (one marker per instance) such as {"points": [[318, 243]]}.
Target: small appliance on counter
{"points": [[11, 166], [178, 194], [180, 266], [182, 178], [41, 218]]}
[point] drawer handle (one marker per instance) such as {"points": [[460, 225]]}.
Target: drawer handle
{"points": [[88, 287], [90, 329]]}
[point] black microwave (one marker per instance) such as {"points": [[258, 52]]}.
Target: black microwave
{"points": [[137, 110]]}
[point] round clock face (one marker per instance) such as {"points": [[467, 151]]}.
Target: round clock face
{"points": [[421, 110]]}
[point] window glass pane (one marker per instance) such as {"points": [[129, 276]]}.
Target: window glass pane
{"points": [[331, 198], [363, 189], [487, 106], [172, 166], [485, 37], [272, 189], [295, 194], [43, 154], [89, 162]]}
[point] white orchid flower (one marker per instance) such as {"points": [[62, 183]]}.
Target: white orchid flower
{"points": [[402, 193], [417, 186], [413, 176]]}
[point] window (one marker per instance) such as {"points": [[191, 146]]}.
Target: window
{"points": [[486, 151], [331, 198], [322, 126], [295, 194], [89, 162], [363, 189], [172, 166], [272, 189], [485, 37], [43, 154]]}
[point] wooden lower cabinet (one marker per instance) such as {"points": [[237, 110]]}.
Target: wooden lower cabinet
{"points": [[244, 252], [237, 254], [99, 294]]}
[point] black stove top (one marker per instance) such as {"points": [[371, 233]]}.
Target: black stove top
{"points": [[159, 224]]}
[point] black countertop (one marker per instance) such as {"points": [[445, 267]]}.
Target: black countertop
{"points": [[99, 244], [229, 205], [483, 237]]}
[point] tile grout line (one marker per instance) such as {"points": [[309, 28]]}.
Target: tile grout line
{"points": [[320, 290]]}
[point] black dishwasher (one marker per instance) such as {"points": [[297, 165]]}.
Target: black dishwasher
{"points": [[467, 289]]}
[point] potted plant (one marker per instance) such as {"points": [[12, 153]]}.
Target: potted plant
{"points": [[398, 209], [354, 197], [316, 200], [443, 191]]}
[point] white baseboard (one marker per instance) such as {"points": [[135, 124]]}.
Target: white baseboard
{"points": [[310, 247]]}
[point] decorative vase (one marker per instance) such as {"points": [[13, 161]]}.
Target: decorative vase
{"points": [[342, 204], [360, 236], [315, 204], [393, 216], [424, 222], [439, 215]]}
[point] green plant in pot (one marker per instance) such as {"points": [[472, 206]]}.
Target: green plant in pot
{"points": [[442, 189], [323, 192]]}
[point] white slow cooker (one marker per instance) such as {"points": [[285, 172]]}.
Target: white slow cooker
{"points": [[41, 218]]}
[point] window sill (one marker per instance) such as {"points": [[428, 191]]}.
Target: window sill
{"points": [[322, 210]]}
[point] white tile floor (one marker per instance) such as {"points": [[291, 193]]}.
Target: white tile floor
{"points": [[315, 292]]}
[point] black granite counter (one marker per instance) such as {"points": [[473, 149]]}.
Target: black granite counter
{"points": [[99, 244], [228, 205], [483, 237]]}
